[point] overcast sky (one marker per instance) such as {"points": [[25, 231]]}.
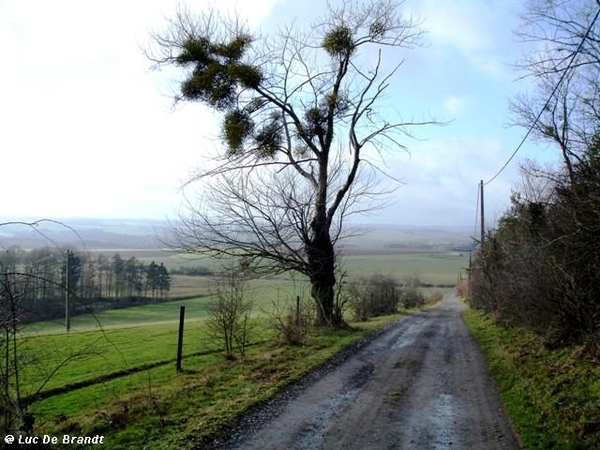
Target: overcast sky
{"points": [[88, 130]]}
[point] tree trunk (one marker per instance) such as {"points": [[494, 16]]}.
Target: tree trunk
{"points": [[321, 261]]}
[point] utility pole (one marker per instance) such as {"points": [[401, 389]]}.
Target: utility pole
{"points": [[67, 289], [470, 266], [482, 212]]}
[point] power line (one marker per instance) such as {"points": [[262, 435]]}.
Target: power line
{"points": [[587, 33]]}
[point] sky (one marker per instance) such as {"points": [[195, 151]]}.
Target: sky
{"points": [[88, 129]]}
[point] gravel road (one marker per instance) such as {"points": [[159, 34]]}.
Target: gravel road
{"points": [[423, 384]]}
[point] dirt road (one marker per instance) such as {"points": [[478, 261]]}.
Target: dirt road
{"points": [[423, 384]]}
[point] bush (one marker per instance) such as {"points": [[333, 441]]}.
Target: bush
{"points": [[539, 269], [292, 323], [377, 295], [462, 289], [435, 295], [411, 297]]}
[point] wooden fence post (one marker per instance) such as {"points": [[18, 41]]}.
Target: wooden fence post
{"points": [[180, 340]]}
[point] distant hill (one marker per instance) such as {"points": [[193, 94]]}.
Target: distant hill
{"points": [[147, 234], [96, 233], [403, 238]]}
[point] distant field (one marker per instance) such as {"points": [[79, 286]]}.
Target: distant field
{"points": [[431, 267], [169, 258]]}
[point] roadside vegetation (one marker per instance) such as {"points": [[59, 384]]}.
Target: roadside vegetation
{"points": [[539, 268], [551, 395]]}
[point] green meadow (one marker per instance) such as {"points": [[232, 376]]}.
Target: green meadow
{"points": [[432, 268]]}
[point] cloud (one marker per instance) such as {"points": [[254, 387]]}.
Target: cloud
{"points": [[440, 180], [478, 31], [454, 105], [88, 129]]}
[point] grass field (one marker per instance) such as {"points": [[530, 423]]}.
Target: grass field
{"points": [[431, 268], [160, 409]]}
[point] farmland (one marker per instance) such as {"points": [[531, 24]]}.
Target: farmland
{"points": [[431, 267]]}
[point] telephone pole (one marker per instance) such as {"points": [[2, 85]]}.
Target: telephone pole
{"points": [[482, 212]]}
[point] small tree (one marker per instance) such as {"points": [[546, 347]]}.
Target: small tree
{"points": [[229, 312], [164, 280]]}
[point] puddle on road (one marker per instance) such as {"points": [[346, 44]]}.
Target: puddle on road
{"points": [[311, 434], [409, 336], [443, 419]]}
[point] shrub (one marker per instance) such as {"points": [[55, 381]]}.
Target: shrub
{"points": [[539, 268], [462, 289], [292, 323], [435, 295], [376, 295], [411, 297]]}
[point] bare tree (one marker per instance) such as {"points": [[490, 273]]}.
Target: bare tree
{"points": [[564, 109], [300, 114], [558, 27], [539, 268]]}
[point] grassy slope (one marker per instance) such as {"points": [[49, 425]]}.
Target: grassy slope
{"points": [[166, 410], [552, 397], [128, 338], [262, 292]]}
